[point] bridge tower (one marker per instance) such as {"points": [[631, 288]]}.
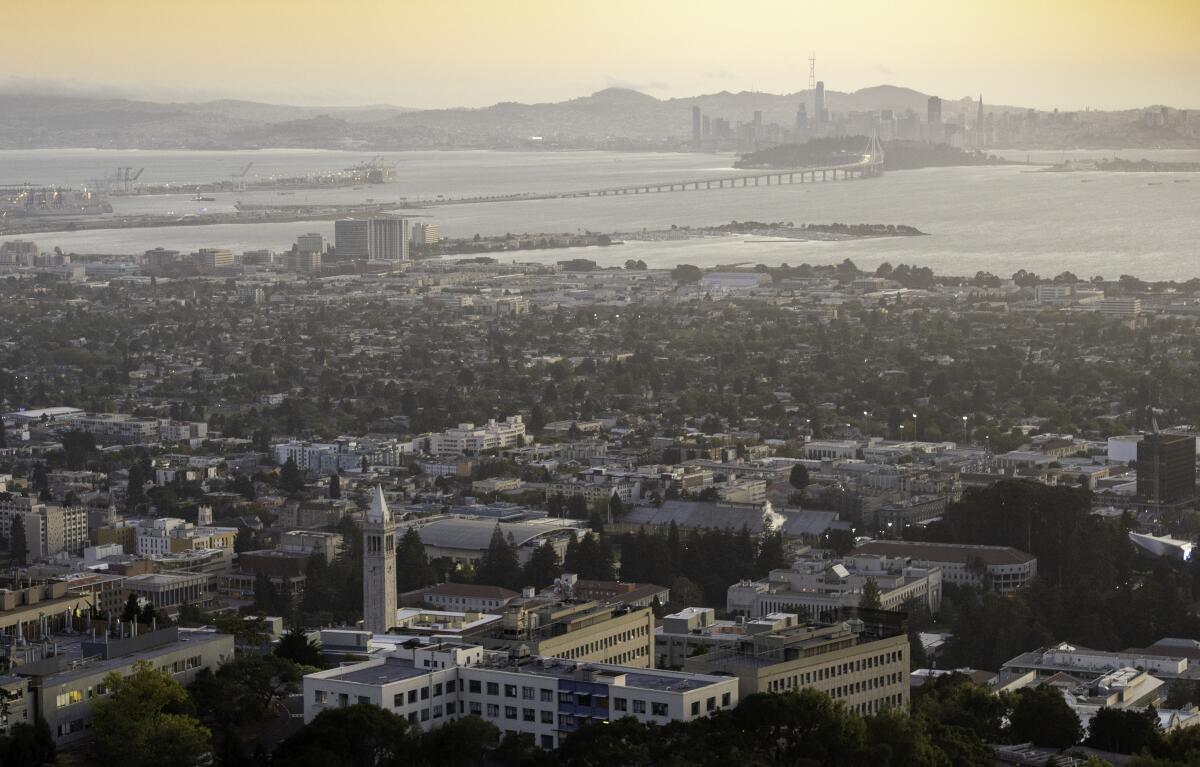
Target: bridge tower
{"points": [[876, 153]]}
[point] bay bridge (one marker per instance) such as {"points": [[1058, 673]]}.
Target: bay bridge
{"points": [[868, 165]]}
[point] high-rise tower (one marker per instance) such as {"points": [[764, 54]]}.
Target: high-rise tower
{"points": [[980, 130], [379, 566]]}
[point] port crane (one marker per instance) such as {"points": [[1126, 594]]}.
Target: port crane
{"points": [[241, 176], [126, 177]]}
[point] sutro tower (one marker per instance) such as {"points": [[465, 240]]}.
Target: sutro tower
{"points": [[812, 70]]}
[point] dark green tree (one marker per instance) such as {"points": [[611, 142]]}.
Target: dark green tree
{"points": [[18, 548], [356, 736], [28, 744], [298, 648], [1125, 731], [870, 595], [1041, 716], [413, 570], [543, 566], [335, 486], [499, 565], [291, 480], [798, 477]]}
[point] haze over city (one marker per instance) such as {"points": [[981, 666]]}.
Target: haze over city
{"points": [[1067, 54]]}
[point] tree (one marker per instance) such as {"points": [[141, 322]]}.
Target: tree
{"points": [[686, 274], [798, 477], [588, 559], [1125, 732], [459, 743], [870, 595], [356, 736], [28, 744], [543, 566], [499, 565], [291, 480], [133, 609], [335, 486], [18, 549], [413, 570], [266, 598], [771, 552], [144, 721], [685, 593], [1042, 717], [298, 648]]}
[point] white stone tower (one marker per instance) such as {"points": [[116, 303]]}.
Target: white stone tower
{"points": [[379, 566]]}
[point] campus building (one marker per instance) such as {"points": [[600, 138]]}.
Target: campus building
{"points": [[1002, 569], [864, 666], [546, 698], [818, 587]]}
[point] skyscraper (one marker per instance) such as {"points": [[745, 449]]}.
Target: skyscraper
{"points": [[980, 130], [695, 125], [374, 239], [819, 114], [935, 111], [379, 566], [1166, 468]]}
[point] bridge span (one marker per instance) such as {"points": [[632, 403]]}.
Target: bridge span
{"points": [[869, 165]]}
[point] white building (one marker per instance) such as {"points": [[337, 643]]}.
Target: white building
{"points": [[1121, 306], [831, 449], [542, 697], [119, 427], [467, 438]]}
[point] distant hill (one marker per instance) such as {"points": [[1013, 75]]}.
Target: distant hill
{"points": [[614, 113], [611, 118]]}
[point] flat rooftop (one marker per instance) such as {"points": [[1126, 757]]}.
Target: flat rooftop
{"points": [[391, 670]]}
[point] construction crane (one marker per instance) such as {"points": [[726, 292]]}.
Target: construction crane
{"points": [[241, 176]]}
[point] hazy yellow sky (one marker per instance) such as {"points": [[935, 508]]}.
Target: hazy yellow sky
{"points": [[1070, 54]]}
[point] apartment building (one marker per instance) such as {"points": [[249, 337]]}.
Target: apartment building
{"points": [[817, 587], [49, 529], [119, 427], [1002, 569], [542, 697], [865, 668]]}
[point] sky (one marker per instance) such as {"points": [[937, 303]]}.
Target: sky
{"points": [[1066, 54]]}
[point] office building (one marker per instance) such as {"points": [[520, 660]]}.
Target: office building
{"points": [[545, 698], [574, 630], [310, 243], [934, 112], [864, 667], [351, 240], [379, 566], [1166, 468], [820, 115], [209, 259], [696, 120]]}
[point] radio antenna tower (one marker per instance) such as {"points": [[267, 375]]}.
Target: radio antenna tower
{"points": [[812, 70]]}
